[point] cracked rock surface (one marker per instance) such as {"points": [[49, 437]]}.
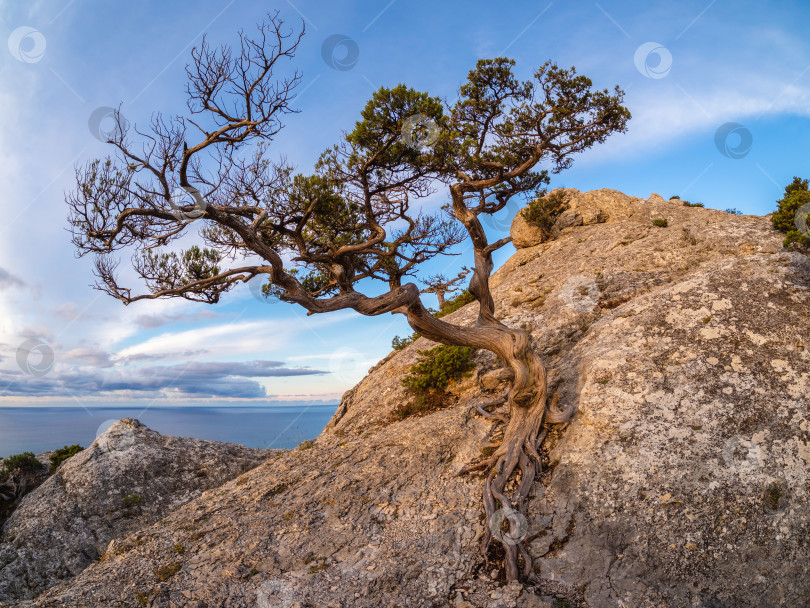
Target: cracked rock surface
{"points": [[682, 480]]}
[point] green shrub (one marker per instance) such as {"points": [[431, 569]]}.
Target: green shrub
{"points": [[21, 463], [430, 376], [26, 466], [62, 454], [166, 572], [733, 211], [132, 499], [544, 211], [772, 495], [450, 305], [661, 222], [796, 195], [688, 204], [399, 343], [676, 197], [454, 303]]}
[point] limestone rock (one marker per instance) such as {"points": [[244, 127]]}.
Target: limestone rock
{"points": [[525, 234], [585, 208], [682, 480], [128, 478]]}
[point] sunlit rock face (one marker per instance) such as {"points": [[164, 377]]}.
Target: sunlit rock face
{"points": [[682, 480], [128, 478]]}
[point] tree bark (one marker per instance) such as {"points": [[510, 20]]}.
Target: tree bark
{"points": [[527, 411]]}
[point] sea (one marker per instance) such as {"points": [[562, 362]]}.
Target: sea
{"points": [[40, 429]]}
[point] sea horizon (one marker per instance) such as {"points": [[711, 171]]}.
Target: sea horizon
{"points": [[30, 429]]}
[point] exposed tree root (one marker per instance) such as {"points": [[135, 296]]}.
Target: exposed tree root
{"points": [[516, 461]]}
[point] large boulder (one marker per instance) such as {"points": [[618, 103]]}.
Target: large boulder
{"points": [[130, 477], [584, 209]]}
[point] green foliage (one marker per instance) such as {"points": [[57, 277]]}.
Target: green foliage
{"points": [[399, 343], [358, 217], [796, 195], [430, 376], [688, 204], [772, 495], [132, 499], [62, 454], [544, 211], [166, 572], [676, 197], [454, 303], [450, 305], [23, 465], [661, 222], [20, 463], [173, 270], [733, 211]]}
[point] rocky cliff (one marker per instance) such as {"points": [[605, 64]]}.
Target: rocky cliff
{"points": [[682, 481], [128, 478]]}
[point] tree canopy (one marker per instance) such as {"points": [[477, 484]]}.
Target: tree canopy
{"points": [[789, 215], [358, 215]]}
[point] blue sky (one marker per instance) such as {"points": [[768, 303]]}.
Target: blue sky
{"points": [[688, 68]]}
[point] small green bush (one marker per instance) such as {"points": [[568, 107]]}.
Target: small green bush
{"points": [[166, 572], [21, 463], [132, 499], [430, 376], [544, 211], [661, 222], [772, 495], [688, 204], [450, 305], [796, 195], [676, 197], [454, 303], [28, 468], [733, 211], [399, 343], [62, 454]]}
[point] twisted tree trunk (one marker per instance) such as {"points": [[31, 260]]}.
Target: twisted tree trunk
{"points": [[526, 413]]}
